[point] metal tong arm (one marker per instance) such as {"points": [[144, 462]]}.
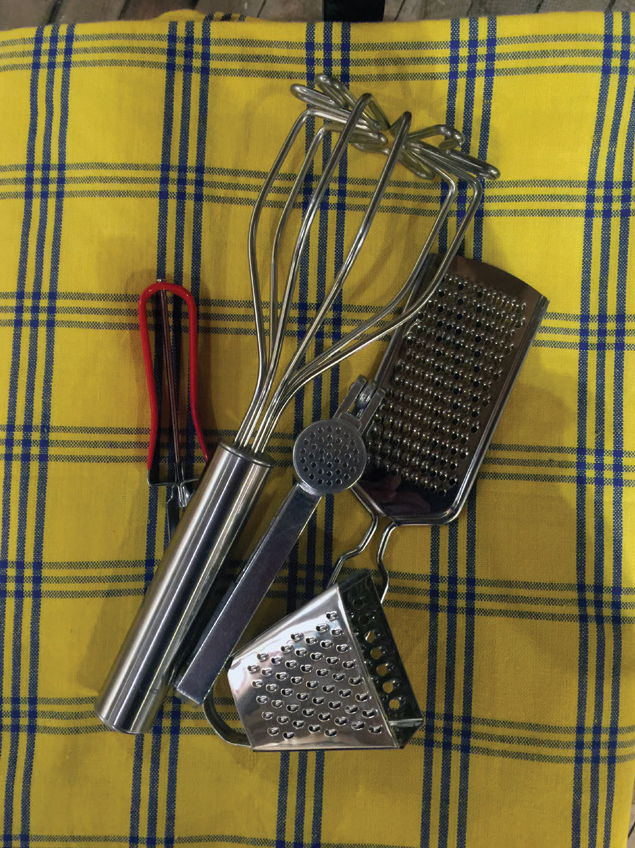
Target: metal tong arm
{"points": [[243, 597], [161, 286]]}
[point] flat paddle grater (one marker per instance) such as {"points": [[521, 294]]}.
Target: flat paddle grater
{"points": [[446, 378], [328, 676]]}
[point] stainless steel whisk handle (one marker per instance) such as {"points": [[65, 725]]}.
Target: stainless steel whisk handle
{"points": [[158, 637]]}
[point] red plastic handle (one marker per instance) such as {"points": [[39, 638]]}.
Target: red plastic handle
{"points": [[185, 295]]}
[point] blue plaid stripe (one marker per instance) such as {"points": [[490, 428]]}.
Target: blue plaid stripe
{"points": [[615, 629], [584, 687], [46, 399], [450, 682], [31, 388], [468, 670], [431, 688], [11, 412]]}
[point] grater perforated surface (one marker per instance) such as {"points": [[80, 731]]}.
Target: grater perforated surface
{"points": [[329, 455], [446, 382], [327, 676]]}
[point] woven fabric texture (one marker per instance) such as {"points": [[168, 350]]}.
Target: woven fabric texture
{"points": [[135, 150]]}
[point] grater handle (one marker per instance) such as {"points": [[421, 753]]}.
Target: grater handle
{"points": [[242, 599]]}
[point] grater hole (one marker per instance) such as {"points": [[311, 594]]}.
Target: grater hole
{"points": [[376, 728], [377, 653], [314, 728], [394, 703], [331, 731], [273, 731], [298, 723], [302, 696], [308, 712], [383, 669], [358, 725], [370, 636], [389, 686], [290, 735], [322, 672]]}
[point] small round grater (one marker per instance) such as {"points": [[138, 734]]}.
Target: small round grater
{"points": [[328, 676]]}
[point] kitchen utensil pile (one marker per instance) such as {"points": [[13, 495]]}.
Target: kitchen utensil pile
{"points": [[410, 441]]}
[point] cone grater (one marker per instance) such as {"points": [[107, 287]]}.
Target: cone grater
{"points": [[328, 676]]}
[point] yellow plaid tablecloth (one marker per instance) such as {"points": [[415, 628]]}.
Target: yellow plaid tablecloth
{"points": [[134, 150]]}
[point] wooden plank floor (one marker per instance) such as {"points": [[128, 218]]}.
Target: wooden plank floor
{"points": [[19, 13]]}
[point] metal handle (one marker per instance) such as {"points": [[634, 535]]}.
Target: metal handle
{"points": [[243, 598], [155, 644]]}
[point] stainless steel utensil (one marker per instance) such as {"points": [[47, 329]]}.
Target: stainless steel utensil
{"points": [[327, 676], [166, 623], [446, 377]]}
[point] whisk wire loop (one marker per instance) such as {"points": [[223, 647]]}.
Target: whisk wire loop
{"points": [[272, 360]]}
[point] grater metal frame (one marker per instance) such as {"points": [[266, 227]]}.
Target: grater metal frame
{"points": [[326, 677]]}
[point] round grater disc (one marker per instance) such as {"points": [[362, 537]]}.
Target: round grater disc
{"points": [[329, 456]]}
